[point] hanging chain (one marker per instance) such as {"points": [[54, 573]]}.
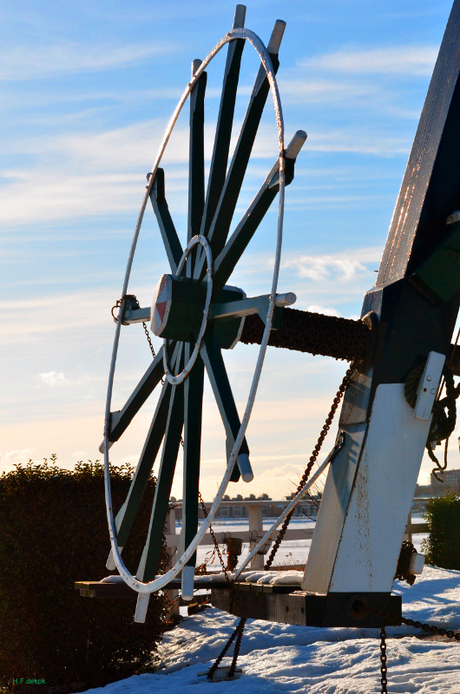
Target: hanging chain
{"points": [[383, 660], [403, 572], [238, 632], [214, 539], [397, 621], [443, 423], [327, 425], [236, 652], [149, 339], [432, 629]]}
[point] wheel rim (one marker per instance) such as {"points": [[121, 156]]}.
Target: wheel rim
{"points": [[147, 587]]}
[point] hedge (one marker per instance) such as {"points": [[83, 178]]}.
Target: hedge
{"points": [[53, 532], [442, 547]]}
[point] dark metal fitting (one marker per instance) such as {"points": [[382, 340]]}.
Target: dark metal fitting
{"points": [[357, 607]]}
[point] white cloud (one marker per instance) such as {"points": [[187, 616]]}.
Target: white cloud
{"points": [[392, 60], [357, 140], [14, 457], [323, 309], [51, 378], [318, 90], [70, 179], [68, 57], [319, 268]]}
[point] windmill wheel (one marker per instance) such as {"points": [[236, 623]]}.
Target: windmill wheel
{"points": [[196, 313]]}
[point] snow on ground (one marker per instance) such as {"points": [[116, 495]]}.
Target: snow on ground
{"points": [[289, 659]]}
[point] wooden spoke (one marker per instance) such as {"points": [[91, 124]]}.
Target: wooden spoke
{"points": [[220, 225], [128, 511], [125, 517], [236, 245], [223, 134], [193, 407], [150, 558], [217, 374], [168, 231], [121, 419], [196, 155]]}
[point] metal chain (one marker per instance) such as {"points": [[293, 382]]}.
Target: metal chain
{"points": [[214, 539], [236, 652], [383, 661], [413, 623], [432, 629], [408, 622], [443, 423], [403, 566], [237, 631], [149, 339], [327, 425], [118, 303]]}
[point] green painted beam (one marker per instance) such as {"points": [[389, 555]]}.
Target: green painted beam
{"points": [[196, 155], [148, 565], [218, 168], [217, 374], [440, 273], [168, 231], [127, 514], [121, 419], [220, 225], [193, 408], [239, 240]]}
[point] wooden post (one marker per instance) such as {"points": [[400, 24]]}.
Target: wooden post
{"points": [[170, 529], [408, 530], [256, 524]]}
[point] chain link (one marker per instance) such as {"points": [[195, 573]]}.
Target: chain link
{"points": [[413, 623], [444, 413], [236, 652], [403, 572], [383, 660], [149, 339], [432, 629], [214, 539], [237, 632]]}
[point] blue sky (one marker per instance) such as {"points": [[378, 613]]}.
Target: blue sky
{"points": [[87, 89]]}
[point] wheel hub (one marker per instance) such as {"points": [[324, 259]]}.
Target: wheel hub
{"points": [[177, 308]]}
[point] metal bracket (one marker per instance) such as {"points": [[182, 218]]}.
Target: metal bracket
{"points": [[428, 386]]}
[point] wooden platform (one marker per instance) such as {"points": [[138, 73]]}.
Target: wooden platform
{"points": [[120, 589], [283, 602], [288, 605]]}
